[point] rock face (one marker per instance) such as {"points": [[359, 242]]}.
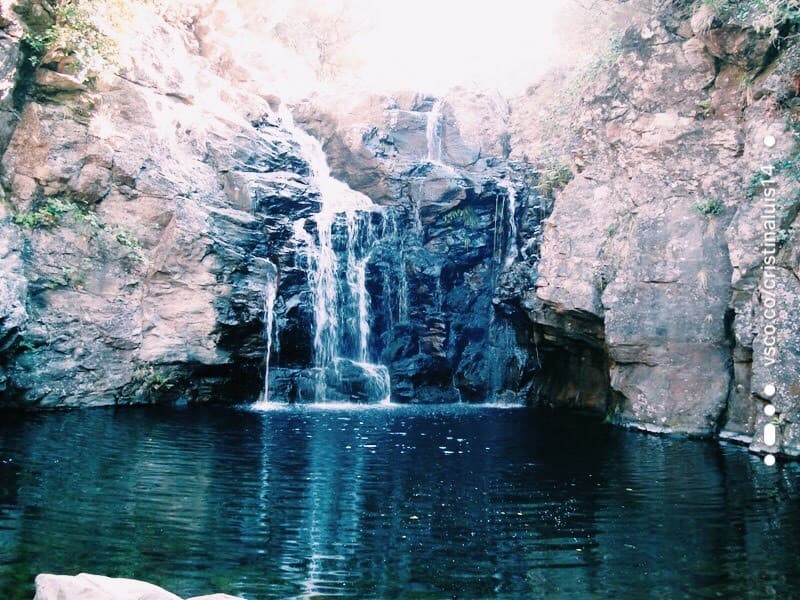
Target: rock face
{"points": [[10, 58], [140, 231], [656, 301], [452, 221], [97, 587], [134, 235]]}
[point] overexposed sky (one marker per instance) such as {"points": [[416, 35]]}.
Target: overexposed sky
{"points": [[414, 45], [435, 44]]}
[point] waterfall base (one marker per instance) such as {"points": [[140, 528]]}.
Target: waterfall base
{"points": [[343, 381]]}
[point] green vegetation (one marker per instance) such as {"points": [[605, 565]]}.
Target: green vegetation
{"points": [[49, 212], [466, 216], [782, 236], [709, 206], [127, 239], [46, 215], [86, 31], [779, 421], [27, 345], [151, 379], [83, 30], [601, 281], [553, 175], [756, 184], [37, 45], [764, 15]]}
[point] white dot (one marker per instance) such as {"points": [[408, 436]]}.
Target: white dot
{"points": [[769, 410], [769, 460], [770, 434], [769, 141], [769, 390]]}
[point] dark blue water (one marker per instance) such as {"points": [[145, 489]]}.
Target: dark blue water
{"points": [[391, 503]]}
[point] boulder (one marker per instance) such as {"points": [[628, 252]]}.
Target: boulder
{"points": [[96, 587], [52, 82]]}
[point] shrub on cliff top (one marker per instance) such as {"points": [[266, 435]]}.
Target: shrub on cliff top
{"points": [[81, 29], [87, 31], [767, 16]]}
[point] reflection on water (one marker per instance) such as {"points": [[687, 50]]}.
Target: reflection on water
{"points": [[392, 502]]}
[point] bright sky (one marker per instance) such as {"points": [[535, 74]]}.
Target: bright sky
{"points": [[415, 45], [435, 44]]}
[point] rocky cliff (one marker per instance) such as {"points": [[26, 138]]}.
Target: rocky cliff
{"points": [[145, 216], [132, 251], [668, 288]]}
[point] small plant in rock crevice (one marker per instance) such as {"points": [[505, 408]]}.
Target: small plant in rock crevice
{"points": [[782, 236], [151, 379], [47, 214], [709, 207], [50, 212], [553, 175], [466, 216]]}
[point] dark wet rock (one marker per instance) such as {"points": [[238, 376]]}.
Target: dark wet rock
{"points": [[445, 237]]}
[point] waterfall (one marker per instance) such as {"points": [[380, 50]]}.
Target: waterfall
{"points": [[395, 278], [337, 258], [402, 289], [433, 132], [512, 252], [497, 244], [270, 293]]}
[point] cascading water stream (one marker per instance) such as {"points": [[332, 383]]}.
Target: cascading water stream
{"points": [[433, 133], [512, 251], [270, 294], [337, 260]]}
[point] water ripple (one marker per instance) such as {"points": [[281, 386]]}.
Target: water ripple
{"points": [[389, 502]]}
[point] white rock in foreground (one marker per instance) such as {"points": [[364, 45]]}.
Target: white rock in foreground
{"points": [[98, 587]]}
